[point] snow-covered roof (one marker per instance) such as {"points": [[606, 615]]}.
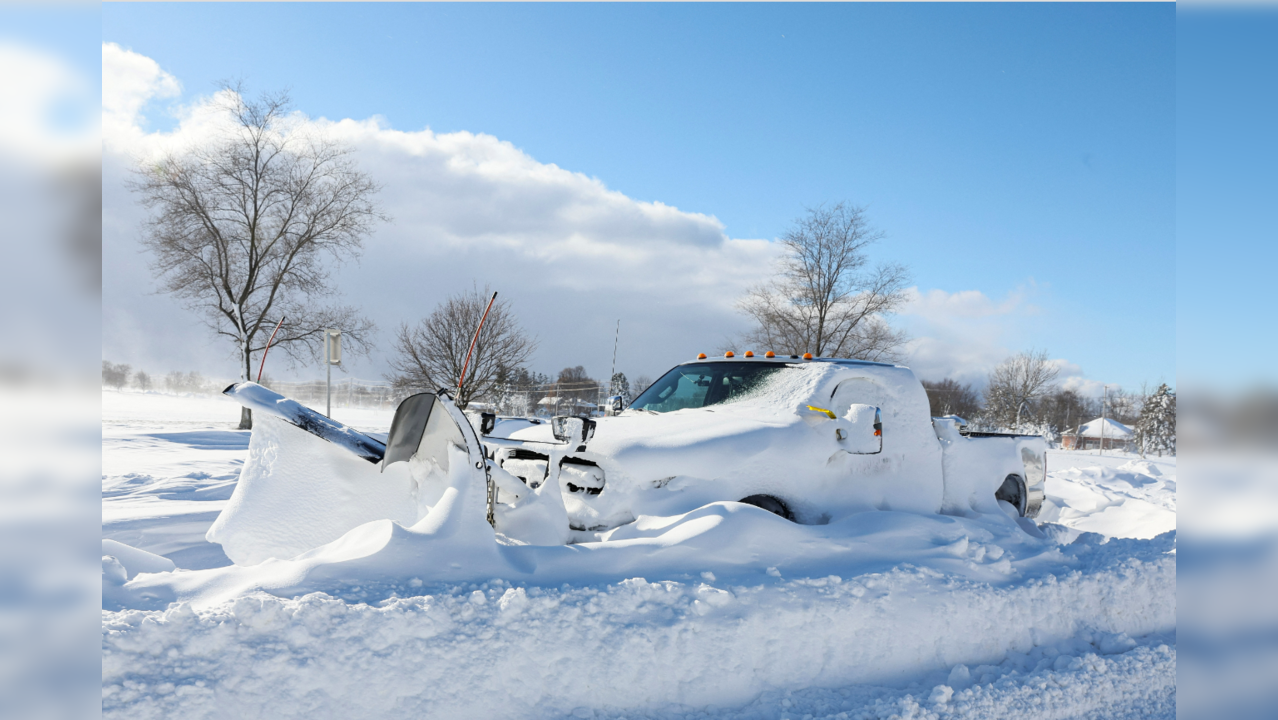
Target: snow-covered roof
{"points": [[1092, 429]]}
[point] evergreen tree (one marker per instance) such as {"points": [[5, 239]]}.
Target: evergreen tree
{"points": [[1156, 427], [621, 386]]}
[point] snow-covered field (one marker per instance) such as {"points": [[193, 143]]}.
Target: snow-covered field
{"points": [[726, 612]]}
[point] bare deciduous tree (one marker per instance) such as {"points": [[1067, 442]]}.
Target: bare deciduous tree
{"points": [[640, 384], [244, 229], [1124, 406], [575, 385], [1020, 380], [115, 374], [1065, 410], [826, 299], [430, 355], [180, 382], [949, 397]]}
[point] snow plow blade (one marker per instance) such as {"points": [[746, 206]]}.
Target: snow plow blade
{"points": [[408, 427], [257, 398]]}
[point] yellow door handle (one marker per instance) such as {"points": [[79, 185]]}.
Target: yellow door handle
{"points": [[830, 414]]}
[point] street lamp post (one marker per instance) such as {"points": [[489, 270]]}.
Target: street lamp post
{"points": [[332, 356], [1104, 400]]}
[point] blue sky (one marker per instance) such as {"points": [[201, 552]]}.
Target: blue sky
{"points": [[71, 35], [1019, 151], [1227, 154]]}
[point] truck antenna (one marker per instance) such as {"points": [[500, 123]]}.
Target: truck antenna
{"points": [[611, 389]]}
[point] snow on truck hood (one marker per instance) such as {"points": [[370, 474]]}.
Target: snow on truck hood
{"points": [[777, 403]]}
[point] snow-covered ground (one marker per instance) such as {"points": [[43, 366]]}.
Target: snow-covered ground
{"points": [[726, 612], [1115, 494]]}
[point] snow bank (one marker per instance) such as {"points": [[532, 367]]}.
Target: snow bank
{"points": [[121, 563], [1116, 494], [134, 560], [298, 492], [727, 538], [498, 650]]}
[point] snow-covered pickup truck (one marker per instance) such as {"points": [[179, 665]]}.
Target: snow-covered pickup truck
{"points": [[813, 440]]}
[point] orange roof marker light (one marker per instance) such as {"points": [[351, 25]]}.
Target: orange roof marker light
{"points": [[807, 356], [728, 354], [701, 356], [769, 354], [749, 353]]}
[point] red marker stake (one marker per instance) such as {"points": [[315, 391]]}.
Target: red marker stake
{"points": [[268, 348], [473, 341]]}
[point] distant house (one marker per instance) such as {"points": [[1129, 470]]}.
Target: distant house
{"points": [[1087, 436]]}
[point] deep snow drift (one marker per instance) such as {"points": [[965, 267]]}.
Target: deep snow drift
{"points": [[724, 611]]}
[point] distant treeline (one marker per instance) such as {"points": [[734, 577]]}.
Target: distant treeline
{"points": [[121, 375]]}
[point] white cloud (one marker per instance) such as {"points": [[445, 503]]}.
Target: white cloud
{"points": [[474, 191], [129, 82], [34, 82], [964, 304], [963, 335], [1085, 387]]}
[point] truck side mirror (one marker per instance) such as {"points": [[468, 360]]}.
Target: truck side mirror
{"points": [[861, 430], [487, 421], [614, 405]]}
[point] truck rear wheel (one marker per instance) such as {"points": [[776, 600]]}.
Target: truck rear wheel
{"points": [[771, 504], [1013, 492]]}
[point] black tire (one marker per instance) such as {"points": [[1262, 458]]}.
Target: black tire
{"points": [[771, 504], [1013, 492]]}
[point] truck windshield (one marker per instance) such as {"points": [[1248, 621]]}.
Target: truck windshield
{"points": [[703, 384]]}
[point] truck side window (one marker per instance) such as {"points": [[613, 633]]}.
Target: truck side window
{"points": [[687, 391]]}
